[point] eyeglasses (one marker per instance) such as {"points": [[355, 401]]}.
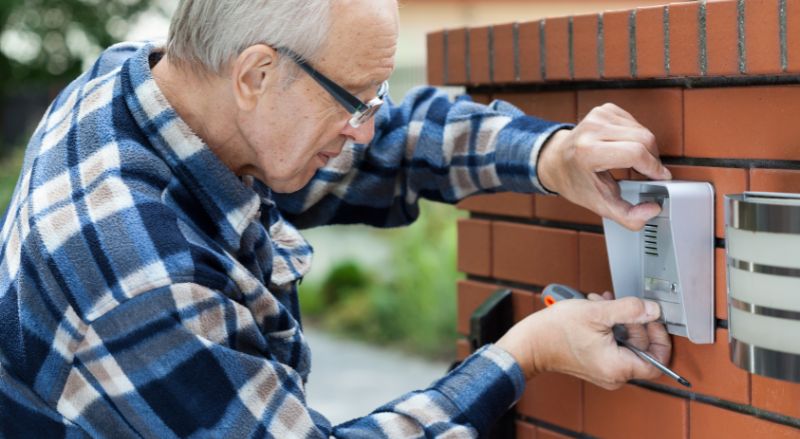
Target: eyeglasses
{"points": [[360, 112]]}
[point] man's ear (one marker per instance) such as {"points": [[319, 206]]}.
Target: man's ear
{"points": [[252, 73]]}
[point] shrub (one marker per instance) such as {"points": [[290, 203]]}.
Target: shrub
{"points": [[410, 304]]}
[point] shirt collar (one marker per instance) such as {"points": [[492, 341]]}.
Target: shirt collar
{"points": [[232, 204]]}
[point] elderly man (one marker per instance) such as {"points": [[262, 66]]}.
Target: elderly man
{"points": [[150, 255]]}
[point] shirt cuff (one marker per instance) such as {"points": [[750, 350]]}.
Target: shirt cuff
{"points": [[537, 149], [484, 386], [518, 147]]}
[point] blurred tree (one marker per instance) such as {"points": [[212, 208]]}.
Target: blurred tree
{"points": [[44, 42]]}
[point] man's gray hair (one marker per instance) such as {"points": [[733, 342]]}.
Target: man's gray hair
{"points": [[211, 33]]}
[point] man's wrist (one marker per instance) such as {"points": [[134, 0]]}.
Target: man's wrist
{"points": [[546, 161], [522, 342]]}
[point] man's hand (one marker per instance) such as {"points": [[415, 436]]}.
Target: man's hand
{"points": [[576, 163], [575, 337]]}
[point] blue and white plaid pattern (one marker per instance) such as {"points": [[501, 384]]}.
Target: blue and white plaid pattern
{"points": [[145, 290]]}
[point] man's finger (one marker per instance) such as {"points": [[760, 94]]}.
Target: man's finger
{"points": [[637, 336], [611, 205], [624, 119], [633, 217], [640, 369], [660, 343], [627, 310], [621, 120], [605, 296], [594, 297], [618, 116], [628, 154], [639, 134], [619, 111]]}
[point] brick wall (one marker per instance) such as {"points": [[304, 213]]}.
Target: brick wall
{"points": [[718, 82]]}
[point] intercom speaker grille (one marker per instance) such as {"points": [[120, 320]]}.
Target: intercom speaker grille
{"points": [[650, 241]]}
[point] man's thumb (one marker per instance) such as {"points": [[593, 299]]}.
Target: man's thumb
{"points": [[630, 310]]}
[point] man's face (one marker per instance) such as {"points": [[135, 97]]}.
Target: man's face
{"points": [[295, 129]]}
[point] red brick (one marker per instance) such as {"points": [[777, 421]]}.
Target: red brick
{"points": [[524, 303], [463, 349], [593, 269], [504, 54], [620, 174], [762, 37], [436, 58], [720, 284], [722, 51], [474, 247], [559, 209], [743, 122], [775, 180], [556, 48], [684, 39], [660, 110], [538, 303], [543, 433], [650, 42], [724, 180], [584, 46], [793, 35], [456, 73], [708, 421], [776, 396], [506, 203], [554, 398], [482, 98], [525, 430], [616, 44], [471, 295], [530, 52], [558, 106], [709, 368], [634, 412], [479, 55], [535, 255]]}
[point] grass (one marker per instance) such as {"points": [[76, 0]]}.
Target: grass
{"points": [[10, 165]]}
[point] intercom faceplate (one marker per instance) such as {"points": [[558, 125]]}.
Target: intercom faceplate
{"points": [[671, 260]]}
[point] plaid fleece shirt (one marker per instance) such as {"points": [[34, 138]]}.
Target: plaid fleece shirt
{"points": [[147, 291]]}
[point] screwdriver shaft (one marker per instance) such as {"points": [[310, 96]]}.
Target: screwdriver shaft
{"points": [[647, 357]]}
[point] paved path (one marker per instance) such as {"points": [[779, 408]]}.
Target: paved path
{"points": [[350, 379]]}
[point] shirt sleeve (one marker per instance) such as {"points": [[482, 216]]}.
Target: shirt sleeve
{"points": [[183, 360], [426, 147]]}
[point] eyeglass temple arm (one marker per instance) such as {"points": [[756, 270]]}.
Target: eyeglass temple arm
{"points": [[344, 97]]}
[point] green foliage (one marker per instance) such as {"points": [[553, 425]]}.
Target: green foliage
{"points": [[9, 173], [415, 308], [57, 35]]}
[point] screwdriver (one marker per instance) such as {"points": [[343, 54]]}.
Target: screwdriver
{"points": [[556, 292]]}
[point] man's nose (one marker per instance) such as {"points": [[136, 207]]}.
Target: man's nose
{"points": [[362, 134]]}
